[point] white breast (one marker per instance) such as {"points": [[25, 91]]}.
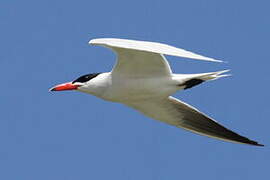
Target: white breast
{"points": [[138, 89]]}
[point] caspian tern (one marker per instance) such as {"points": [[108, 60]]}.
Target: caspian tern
{"points": [[142, 79]]}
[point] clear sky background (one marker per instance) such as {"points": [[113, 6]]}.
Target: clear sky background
{"points": [[75, 136]]}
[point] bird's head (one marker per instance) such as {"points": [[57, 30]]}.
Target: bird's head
{"points": [[82, 83]]}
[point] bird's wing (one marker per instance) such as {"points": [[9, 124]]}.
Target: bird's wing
{"points": [[141, 58], [180, 114], [149, 47]]}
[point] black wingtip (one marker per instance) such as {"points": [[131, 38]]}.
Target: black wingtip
{"points": [[257, 144], [254, 143]]}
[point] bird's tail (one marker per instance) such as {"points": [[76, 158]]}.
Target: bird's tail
{"points": [[190, 80], [212, 75]]}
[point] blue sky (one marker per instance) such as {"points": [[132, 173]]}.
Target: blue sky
{"points": [[70, 135]]}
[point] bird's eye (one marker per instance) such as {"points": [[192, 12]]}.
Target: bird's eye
{"points": [[86, 78]]}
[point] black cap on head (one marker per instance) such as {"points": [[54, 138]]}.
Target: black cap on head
{"points": [[86, 78]]}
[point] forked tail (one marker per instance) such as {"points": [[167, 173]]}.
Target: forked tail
{"points": [[191, 80]]}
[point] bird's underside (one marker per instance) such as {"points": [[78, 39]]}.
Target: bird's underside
{"points": [[142, 79]]}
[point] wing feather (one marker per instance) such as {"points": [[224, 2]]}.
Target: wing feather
{"points": [[153, 47], [180, 114]]}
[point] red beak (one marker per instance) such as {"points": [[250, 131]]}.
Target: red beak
{"points": [[65, 87]]}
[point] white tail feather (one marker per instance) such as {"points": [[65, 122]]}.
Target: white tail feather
{"points": [[213, 75]]}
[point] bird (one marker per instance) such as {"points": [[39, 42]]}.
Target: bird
{"points": [[143, 80]]}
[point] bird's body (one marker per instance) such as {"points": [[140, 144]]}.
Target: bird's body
{"points": [[136, 89], [142, 79], [130, 90]]}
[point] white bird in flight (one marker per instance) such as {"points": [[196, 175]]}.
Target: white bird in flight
{"points": [[142, 79]]}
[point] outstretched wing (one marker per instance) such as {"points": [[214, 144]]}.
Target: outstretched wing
{"points": [[177, 113], [141, 58], [149, 47]]}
